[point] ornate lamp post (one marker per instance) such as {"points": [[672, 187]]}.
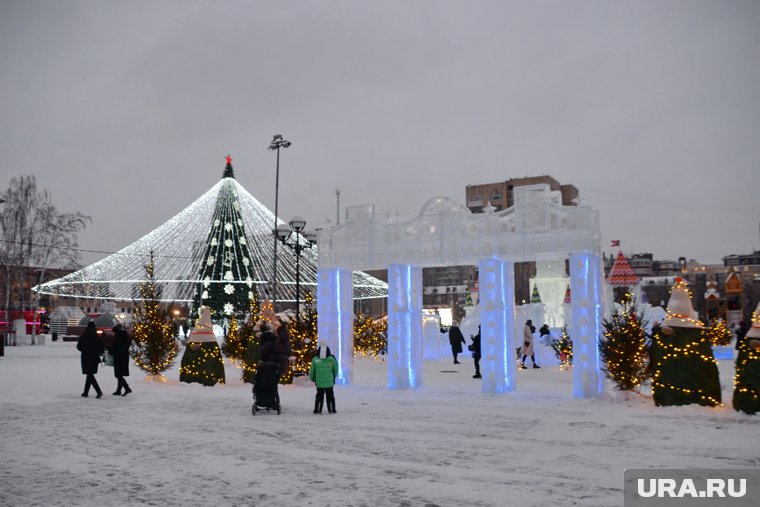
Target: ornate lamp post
{"points": [[277, 143], [297, 240]]}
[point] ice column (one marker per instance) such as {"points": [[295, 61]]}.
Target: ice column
{"points": [[585, 287], [497, 324], [335, 325], [404, 326]]}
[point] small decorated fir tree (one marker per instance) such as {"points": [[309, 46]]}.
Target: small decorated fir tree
{"points": [[233, 346], [154, 346], [623, 348], [747, 377], [535, 297], [303, 336], [718, 333], [370, 337], [684, 370], [563, 349]]}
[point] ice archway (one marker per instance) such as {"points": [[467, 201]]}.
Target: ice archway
{"points": [[537, 227]]}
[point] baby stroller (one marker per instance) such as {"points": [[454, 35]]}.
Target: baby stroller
{"points": [[265, 388]]}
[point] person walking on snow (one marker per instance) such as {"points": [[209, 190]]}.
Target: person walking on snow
{"points": [[91, 347], [527, 345], [323, 371], [456, 339], [120, 352]]}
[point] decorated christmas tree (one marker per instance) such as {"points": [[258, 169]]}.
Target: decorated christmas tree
{"points": [[370, 336], [303, 336], [563, 349], [202, 360], [684, 370], [154, 345], [225, 272], [747, 377], [623, 348], [535, 297], [718, 333], [233, 346]]}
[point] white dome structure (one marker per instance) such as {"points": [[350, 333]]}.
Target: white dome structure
{"points": [[179, 248]]}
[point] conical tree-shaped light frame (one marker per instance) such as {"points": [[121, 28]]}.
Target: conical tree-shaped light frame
{"points": [[179, 247]]}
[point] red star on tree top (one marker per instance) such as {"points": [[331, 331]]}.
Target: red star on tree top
{"points": [[228, 159]]}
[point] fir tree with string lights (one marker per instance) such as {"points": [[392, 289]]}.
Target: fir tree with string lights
{"points": [[623, 348], [535, 297], [747, 376], [370, 337], [303, 336], [718, 333], [225, 274], [684, 370], [154, 346], [233, 346], [563, 349]]}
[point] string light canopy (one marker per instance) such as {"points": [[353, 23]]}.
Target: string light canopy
{"points": [[181, 251]]}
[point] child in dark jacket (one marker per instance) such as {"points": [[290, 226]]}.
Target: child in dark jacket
{"points": [[323, 371]]}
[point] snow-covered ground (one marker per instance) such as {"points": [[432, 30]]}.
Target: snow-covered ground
{"points": [[446, 444]]}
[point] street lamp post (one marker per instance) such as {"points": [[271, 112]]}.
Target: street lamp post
{"points": [[277, 143], [291, 237]]}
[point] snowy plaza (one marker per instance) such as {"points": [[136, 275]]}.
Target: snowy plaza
{"points": [[512, 245], [446, 444]]}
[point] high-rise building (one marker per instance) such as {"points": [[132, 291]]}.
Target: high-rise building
{"points": [[500, 194]]}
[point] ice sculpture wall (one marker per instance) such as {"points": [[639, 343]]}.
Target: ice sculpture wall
{"points": [[404, 326], [586, 315], [497, 325], [335, 325], [446, 233]]}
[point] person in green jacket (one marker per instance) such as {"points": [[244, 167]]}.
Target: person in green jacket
{"points": [[323, 370]]}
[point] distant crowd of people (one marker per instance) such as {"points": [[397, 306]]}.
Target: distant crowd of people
{"points": [[525, 350]]}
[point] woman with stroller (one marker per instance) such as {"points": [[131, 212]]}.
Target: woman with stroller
{"points": [[323, 371], [275, 346]]}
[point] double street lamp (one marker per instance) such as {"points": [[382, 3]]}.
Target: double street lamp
{"points": [[277, 143], [297, 240]]}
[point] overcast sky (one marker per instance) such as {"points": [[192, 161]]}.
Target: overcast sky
{"points": [[126, 110]]}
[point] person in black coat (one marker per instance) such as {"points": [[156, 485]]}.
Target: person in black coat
{"points": [[741, 332], [91, 347], [475, 349], [275, 346], [456, 339], [120, 352]]}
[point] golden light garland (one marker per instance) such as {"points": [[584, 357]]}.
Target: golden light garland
{"points": [[197, 370], [752, 356], [673, 352]]}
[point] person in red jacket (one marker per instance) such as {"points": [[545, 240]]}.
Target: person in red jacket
{"points": [[323, 371]]}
